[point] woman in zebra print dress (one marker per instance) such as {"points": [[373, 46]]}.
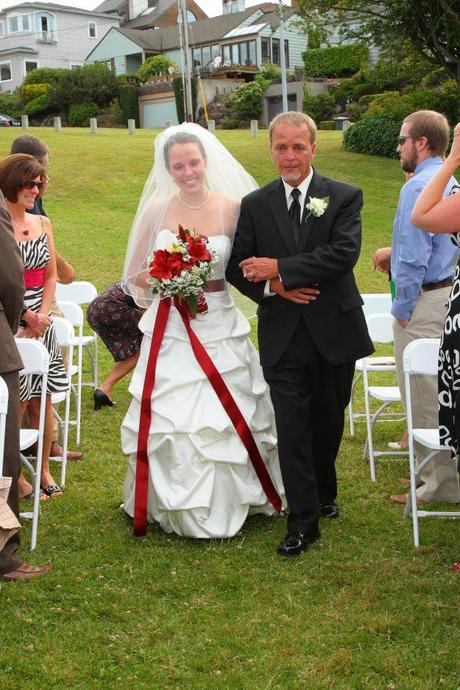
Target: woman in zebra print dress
{"points": [[436, 214], [21, 178]]}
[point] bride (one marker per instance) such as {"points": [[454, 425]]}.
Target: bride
{"points": [[201, 481]]}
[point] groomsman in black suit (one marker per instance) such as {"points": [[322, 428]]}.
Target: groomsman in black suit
{"points": [[297, 241]]}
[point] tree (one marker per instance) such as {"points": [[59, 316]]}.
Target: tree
{"points": [[430, 27], [156, 66]]}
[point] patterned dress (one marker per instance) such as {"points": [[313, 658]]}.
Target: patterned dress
{"points": [[449, 368], [35, 254]]}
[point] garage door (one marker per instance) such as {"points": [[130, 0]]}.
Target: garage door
{"points": [[157, 114]]}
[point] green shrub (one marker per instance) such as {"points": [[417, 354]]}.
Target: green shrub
{"points": [[80, 113], [11, 104], [335, 61], [87, 84], [31, 91], [327, 124], [397, 106], [448, 101], [179, 96], [319, 107], [376, 136], [129, 104], [128, 78], [248, 100], [231, 122], [44, 75], [155, 66], [38, 106]]}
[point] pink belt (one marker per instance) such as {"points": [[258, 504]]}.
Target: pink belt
{"points": [[34, 277], [216, 285]]}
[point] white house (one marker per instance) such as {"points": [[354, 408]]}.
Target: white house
{"points": [[41, 34]]}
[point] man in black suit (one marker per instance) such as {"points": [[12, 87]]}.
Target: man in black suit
{"points": [[296, 244]]}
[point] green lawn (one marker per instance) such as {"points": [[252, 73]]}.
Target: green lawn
{"points": [[361, 609]]}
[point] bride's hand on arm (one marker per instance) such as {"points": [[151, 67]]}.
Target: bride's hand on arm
{"points": [[298, 295]]}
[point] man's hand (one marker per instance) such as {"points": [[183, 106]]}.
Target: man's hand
{"points": [[381, 260], [257, 269], [298, 295], [403, 322]]}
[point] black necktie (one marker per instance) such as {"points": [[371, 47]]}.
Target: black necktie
{"points": [[294, 214]]}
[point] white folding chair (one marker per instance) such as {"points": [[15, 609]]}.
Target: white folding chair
{"points": [[3, 412], [82, 292], [374, 303], [421, 357], [74, 315], [381, 331], [65, 336], [35, 359]]}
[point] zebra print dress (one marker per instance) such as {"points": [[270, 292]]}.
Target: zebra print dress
{"points": [[35, 254]]}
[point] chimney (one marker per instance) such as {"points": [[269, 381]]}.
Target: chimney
{"points": [[136, 7], [232, 6]]}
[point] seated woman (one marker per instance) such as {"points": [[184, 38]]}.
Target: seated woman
{"points": [[114, 316], [21, 181]]}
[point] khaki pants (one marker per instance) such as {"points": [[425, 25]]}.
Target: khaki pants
{"points": [[439, 480]]}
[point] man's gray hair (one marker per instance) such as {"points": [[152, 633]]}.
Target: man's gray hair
{"points": [[292, 117]]}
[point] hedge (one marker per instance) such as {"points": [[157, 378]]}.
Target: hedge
{"points": [[178, 93], [335, 61], [376, 136], [80, 114], [129, 103]]}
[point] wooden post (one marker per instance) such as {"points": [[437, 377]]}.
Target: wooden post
{"points": [[57, 124], [212, 126], [254, 127], [131, 126], [93, 125], [24, 121]]}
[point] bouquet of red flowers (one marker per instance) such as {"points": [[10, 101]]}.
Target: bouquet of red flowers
{"points": [[181, 266]]}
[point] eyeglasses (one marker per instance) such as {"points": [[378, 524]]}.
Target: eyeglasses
{"points": [[402, 139], [30, 184]]}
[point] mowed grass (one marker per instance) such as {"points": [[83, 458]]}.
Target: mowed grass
{"points": [[361, 609]]}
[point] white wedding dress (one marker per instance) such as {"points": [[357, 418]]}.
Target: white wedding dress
{"points": [[201, 480]]}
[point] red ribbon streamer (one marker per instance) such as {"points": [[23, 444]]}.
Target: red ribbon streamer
{"points": [[225, 397]]}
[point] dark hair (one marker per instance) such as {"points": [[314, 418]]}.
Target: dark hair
{"points": [[182, 138], [433, 126], [15, 170], [29, 144]]}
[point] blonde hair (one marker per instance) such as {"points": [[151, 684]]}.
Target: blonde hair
{"points": [[292, 117]]}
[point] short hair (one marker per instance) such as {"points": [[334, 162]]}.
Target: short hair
{"points": [[292, 117], [182, 138], [29, 144], [15, 170], [433, 126]]}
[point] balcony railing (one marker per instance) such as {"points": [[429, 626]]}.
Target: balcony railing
{"points": [[46, 37]]}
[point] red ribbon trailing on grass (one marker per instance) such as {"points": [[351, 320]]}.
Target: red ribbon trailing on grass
{"points": [[225, 397]]}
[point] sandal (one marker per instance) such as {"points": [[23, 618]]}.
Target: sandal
{"points": [[30, 496], [52, 489]]}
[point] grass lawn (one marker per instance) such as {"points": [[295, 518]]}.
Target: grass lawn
{"points": [[361, 609]]}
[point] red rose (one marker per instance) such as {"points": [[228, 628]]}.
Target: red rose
{"points": [[165, 265]]}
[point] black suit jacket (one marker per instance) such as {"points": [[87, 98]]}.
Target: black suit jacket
{"points": [[329, 249]]}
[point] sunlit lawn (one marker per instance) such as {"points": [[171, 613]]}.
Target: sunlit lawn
{"points": [[362, 609]]}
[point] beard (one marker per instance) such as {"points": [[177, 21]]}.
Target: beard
{"points": [[291, 177], [409, 163]]}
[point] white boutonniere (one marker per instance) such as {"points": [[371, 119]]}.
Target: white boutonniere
{"points": [[317, 207]]}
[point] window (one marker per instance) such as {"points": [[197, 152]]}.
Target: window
{"points": [[5, 71], [18, 23], [1, 30], [286, 52], [76, 65], [265, 50], [196, 57], [235, 54], [226, 56], [92, 33], [252, 53], [206, 55], [276, 51], [243, 53], [215, 52], [30, 65]]}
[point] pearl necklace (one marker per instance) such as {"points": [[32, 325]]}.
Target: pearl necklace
{"points": [[23, 228], [195, 208]]}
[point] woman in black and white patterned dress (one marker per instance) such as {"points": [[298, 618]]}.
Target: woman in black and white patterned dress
{"points": [[21, 178], [440, 215]]}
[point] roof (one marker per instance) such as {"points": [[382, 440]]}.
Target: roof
{"points": [[20, 49], [52, 7]]}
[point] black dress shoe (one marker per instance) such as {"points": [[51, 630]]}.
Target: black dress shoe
{"points": [[329, 510], [295, 542], [101, 399]]}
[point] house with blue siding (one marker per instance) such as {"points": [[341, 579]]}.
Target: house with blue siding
{"points": [[41, 34], [232, 46]]}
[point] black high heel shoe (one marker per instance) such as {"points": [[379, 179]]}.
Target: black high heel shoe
{"points": [[101, 399]]}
